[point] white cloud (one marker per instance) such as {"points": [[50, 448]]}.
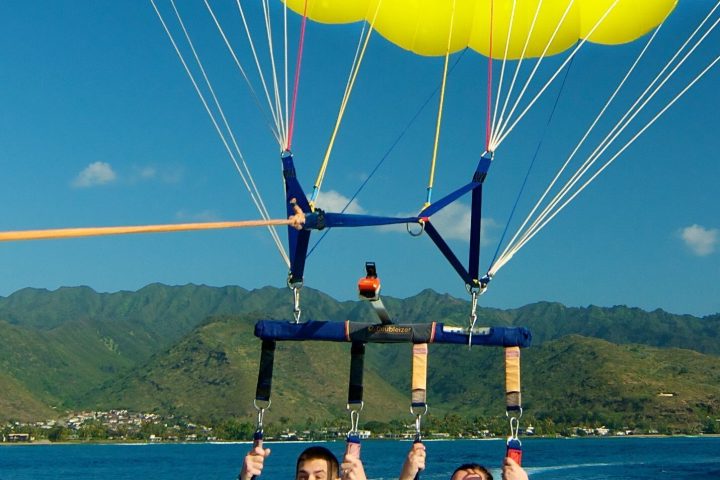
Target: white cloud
{"points": [[700, 240], [98, 173], [453, 223], [149, 173], [332, 201], [203, 216]]}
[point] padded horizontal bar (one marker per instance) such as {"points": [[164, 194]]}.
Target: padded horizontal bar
{"points": [[390, 333]]}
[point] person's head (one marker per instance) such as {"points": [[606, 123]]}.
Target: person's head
{"points": [[317, 463], [471, 471]]}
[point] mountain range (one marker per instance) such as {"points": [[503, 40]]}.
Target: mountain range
{"points": [[190, 350]]}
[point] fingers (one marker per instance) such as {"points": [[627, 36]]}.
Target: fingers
{"points": [[352, 468], [417, 456], [254, 461], [260, 451], [512, 470]]}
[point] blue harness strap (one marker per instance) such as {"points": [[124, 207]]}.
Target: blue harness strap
{"points": [[320, 219], [447, 200], [298, 240], [447, 251], [470, 275], [475, 229]]}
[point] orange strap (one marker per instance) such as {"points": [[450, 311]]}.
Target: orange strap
{"points": [[419, 375], [512, 378]]}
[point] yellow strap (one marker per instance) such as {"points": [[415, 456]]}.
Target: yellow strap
{"points": [[101, 231], [431, 181], [343, 105], [512, 369], [419, 373]]}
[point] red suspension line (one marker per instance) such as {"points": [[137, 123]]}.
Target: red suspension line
{"points": [[296, 85]]}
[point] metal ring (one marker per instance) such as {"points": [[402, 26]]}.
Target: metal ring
{"points": [[422, 229], [413, 412], [258, 408]]}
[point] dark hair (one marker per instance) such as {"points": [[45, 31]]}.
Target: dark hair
{"points": [[322, 453], [474, 466]]}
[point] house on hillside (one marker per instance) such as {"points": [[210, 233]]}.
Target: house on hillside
{"points": [[17, 437]]}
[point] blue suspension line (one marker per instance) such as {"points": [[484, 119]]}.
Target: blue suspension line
{"points": [[388, 152], [532, 163]]}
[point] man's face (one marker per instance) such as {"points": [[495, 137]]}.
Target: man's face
{"points": [[314, 469], [469, 474]]}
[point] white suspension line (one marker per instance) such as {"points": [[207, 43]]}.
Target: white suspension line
{"points": [[506, 131], [211, 115], [275, 115], [620, 152], [343, 104], [537, 225], [256, 98], [535, 68], [581, 142], [254, 191], [287, 103], [515, 75], [502, 68], [271, 51], [657, 78]]}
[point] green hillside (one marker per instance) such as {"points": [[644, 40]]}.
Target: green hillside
{"points": [[190, 351], [211, 375]]}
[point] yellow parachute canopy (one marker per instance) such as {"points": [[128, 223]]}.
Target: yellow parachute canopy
{"points": [[423, 26]]}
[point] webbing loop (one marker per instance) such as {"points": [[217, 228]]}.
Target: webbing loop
{"points": [[418, 386], [263, 390], [513, 395], [355, 382]]}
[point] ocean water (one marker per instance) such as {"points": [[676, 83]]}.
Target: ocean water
{"points": [[587, 459]]}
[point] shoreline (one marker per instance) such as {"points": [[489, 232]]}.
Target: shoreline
{"points": [[269, 442]]}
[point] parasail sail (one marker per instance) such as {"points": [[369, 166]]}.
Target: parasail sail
{"points": [[513, 39]]}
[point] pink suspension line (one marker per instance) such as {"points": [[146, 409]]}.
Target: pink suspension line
{"points": [[488, 117], [296, 85]]}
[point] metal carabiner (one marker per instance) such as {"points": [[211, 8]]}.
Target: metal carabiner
{"points": [[473, 313], [354, 417], [260, 416], [514, 424], [297, 311]]}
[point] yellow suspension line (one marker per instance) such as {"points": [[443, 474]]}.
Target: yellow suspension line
{"points": [[341, 113], [60, 233], [431, 181]]}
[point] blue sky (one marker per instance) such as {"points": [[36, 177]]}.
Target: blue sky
{"points": [[102, 127]]}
